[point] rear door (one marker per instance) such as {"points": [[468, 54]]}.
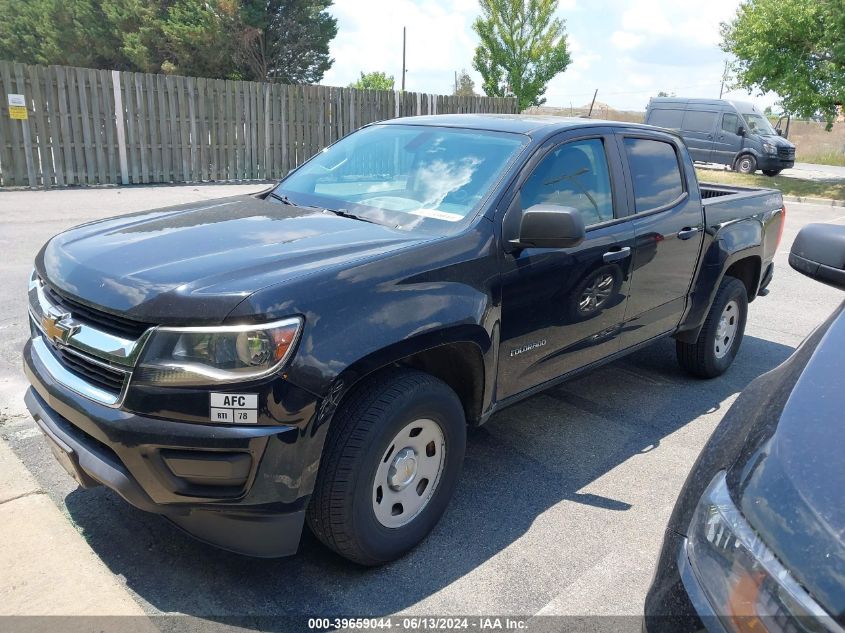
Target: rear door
{"points": [[728, 142], [668, 227], [698, 130], [564, 308]]}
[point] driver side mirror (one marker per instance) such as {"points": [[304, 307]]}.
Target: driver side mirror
{"points": [[778, 131], [550, 226], [741, 130], [819, 253]]}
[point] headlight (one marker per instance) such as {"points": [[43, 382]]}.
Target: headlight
{"points": [[746, 585], [208, 355], [769, 148]]}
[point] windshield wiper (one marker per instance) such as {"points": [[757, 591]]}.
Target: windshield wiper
{"points": [[285, 200], [343, 213]]}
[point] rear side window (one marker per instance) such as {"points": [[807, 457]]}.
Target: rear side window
{"points": [[655, 172], [671, 119], [730, 123], [696, 121]]}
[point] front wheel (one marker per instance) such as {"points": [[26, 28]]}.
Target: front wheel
{"points": [[746, 164], [771, 173], [390, 465], [720, 337]]}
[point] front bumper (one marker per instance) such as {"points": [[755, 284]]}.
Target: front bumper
{"points": [[242, 488], [773, 161]]}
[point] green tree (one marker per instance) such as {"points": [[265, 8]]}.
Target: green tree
{"points": [[375, 80], [523, 46], [70, 32], [286, 40], [197, 39], [267, 40], [465, 85], [795, 48]]}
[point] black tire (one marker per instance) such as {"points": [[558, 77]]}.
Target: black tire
{"points": [[771, 173], [341, 512], [746, 164], [700, 358]]}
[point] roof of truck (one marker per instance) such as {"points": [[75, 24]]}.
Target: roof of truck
{"points": [[519, 123]]}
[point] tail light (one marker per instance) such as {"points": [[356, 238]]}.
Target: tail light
{"points": [[782, 224]]}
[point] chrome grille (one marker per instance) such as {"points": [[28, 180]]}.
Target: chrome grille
{"points": [[103, 320], [107, 378], [87, 350]]}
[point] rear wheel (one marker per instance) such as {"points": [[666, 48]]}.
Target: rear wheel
{"points": [[746, 164], [721, 335], [772, 172], [391, 463]]}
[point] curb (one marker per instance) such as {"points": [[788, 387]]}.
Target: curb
{"points": [[47, 567], [825, 202]]}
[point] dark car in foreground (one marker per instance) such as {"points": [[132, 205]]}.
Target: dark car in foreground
{"points": [[316, 352], [757, 539]]}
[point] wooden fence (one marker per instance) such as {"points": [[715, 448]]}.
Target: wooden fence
{"points": [[86, 126]]}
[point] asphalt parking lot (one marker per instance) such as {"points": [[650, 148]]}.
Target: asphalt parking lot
{"points": [[561, 506]]}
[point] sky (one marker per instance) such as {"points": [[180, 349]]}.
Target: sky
{"points": [[628, 50]]}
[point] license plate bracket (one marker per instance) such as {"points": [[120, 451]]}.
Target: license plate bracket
{"points": [[68, 460]]}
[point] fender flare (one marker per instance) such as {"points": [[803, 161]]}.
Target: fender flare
{"points": [[734, 242], [380, 359]]}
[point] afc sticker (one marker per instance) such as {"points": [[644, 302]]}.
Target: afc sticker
{"points": [[234, 408]]}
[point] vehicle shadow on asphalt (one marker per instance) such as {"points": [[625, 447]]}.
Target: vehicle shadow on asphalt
{"points": [[526, 460]]}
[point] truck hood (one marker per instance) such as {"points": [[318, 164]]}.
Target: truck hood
{"points": [[194, 263], [778, 141], [789, 485]]}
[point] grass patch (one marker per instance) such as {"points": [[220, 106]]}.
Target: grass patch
{"points": [[824, 158], [788, 186]]}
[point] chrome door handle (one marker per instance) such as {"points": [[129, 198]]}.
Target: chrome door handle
{"points": [[688, 232], [615, 256]]}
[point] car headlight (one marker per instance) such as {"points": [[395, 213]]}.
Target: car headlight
{"points": [[176, 356], [769, 148], [747, 586]]}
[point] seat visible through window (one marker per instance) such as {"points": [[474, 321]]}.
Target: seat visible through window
{"points": [[574, 175]]}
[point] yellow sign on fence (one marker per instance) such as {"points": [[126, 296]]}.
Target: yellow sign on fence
{"points": [[17, 107]]}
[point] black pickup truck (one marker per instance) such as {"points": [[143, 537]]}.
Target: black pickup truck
{"points": [[315, 352]]}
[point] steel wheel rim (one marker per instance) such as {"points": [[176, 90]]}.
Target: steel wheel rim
{"points": [[408, 473], [726, 330], [596, 294]]}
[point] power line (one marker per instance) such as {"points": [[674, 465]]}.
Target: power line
{"points": [[639, 92]]}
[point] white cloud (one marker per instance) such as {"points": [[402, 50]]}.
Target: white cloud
{"points": [[628, 49], [625, 40], [439, 41]]}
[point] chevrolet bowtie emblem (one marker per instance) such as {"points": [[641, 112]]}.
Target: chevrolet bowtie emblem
{"points": [[58, 326]]}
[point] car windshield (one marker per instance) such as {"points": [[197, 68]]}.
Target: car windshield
{"points": [[758, 124], [405, 176]]}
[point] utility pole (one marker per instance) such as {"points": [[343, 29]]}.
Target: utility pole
{"points": [[403, 59], [590, 113], [724, 76], [456, 82]]}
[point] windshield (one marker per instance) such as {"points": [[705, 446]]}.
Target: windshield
{"points": [[758, 124], [405, 176]]}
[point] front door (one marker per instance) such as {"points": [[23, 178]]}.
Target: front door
{"points": [[563, 308], [728, 142]]}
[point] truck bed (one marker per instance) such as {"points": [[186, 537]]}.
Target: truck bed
{"points": [[723, 203]]}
